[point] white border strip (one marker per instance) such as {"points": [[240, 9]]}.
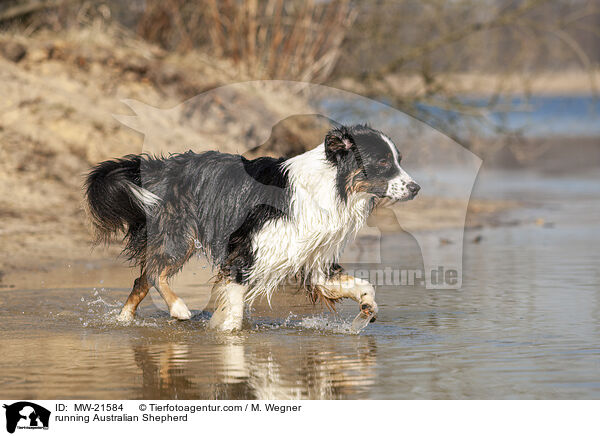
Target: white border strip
{"points": [[333, 417]]}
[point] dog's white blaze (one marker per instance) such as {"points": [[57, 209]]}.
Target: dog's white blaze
{"points": [[397, 186], [315, 235], [394, 150]]}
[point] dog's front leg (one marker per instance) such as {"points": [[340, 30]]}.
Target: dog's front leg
{"points": [[347, 286], [229, 312]]}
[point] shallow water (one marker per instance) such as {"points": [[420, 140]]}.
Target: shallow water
{"points": [[526, 324], [535, 116]]}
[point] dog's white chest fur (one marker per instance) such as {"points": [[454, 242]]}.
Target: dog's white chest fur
{"points": [[317, 231]]}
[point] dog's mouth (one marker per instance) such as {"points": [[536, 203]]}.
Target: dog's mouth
{"points": [[388, 201]]}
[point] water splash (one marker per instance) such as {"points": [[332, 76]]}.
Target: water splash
{"points": [[325, 324]]}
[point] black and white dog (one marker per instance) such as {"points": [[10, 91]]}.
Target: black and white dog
{"points": [[260, 222]]}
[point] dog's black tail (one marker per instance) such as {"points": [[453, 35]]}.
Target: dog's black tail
{"points": [[115, 197]]}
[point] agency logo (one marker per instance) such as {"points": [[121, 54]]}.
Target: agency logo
{"points": [[26, 415]]}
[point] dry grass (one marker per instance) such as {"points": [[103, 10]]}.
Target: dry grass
{"points": [[272, 39]]}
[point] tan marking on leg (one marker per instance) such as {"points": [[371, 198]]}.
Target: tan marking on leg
{"points": [[165, 290], [177, 307], [346, 280], [141, 286], [340, 286]]}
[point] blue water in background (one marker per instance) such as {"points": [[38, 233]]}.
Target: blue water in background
{"points": [[536, 116], [539, 115]]}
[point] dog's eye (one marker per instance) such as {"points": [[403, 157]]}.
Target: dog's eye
{"points": [[384, 163]]}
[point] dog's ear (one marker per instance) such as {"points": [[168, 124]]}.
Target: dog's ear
{"points": [[337, 143]]}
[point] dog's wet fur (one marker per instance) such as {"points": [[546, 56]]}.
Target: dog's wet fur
{"points": [[258, 221]]}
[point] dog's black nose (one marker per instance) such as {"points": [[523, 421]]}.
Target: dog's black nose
{"points": [[413, 188]]}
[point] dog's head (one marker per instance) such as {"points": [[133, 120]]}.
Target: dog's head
{"points": [[367, 161]]}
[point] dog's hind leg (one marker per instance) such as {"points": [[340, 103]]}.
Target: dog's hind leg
{"points": [[229, 312], [139, 291], [177, 307]]}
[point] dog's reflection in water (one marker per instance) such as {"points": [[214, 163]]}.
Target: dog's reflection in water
{"points": [[234, 369]]}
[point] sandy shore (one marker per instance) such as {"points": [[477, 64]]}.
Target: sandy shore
{"points": [[548, 83]]}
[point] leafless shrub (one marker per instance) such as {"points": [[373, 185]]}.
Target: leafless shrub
{"points": [[290, 40]]}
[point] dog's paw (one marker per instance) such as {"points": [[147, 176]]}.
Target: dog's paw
{"points": [[227, 327], [179, 310], [126, 316], [367, 314], [369, 310]]}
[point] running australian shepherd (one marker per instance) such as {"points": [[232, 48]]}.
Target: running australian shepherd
{"points": [[260, 222]]}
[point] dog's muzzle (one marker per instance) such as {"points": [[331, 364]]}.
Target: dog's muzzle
{"points": [[402, 188]]}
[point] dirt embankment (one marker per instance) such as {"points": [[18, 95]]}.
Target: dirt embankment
{"points": [[58, 94], [57, 97]]}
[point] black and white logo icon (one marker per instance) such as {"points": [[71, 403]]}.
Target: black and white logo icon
{"points": [[26, 415]]}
